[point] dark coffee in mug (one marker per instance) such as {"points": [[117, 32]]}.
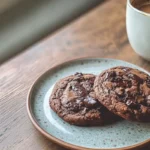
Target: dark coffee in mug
{"points": [[143, 5], [145, 8], [138, 26]]}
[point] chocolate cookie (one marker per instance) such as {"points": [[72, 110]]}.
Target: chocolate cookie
{"points": [[73, 99], [125, 92]]}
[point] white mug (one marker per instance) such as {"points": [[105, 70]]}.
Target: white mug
{"points": [[138, 30]]}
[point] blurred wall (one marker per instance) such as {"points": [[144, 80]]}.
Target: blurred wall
{"points": [[30, 20]]}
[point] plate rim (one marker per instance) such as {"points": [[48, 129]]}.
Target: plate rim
{"points": [[55, 139]]}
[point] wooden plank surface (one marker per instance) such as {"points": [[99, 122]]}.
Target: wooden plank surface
{"points": [[101, 32]]}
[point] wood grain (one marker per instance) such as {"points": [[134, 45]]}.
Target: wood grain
{"points": [[101, 32]]}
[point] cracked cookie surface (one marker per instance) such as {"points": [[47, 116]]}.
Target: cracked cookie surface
{"points": [[125, 92], [73, 99]]}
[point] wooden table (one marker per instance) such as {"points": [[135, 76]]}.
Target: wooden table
{"points": [[101, 32]]}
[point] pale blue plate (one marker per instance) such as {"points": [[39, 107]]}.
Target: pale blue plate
{"points": [[122, 134]]}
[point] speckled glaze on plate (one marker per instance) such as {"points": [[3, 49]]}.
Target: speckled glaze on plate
{"points": [[118, 136]]}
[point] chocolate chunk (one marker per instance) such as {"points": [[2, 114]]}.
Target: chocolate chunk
{"points": [[110, 75], [79, 74], [90, 102], [135, 77], [132, 104], [78, 89], [118, 79], [129, 84]]}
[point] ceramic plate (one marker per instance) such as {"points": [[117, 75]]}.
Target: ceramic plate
{"points": [[120, 135]]}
